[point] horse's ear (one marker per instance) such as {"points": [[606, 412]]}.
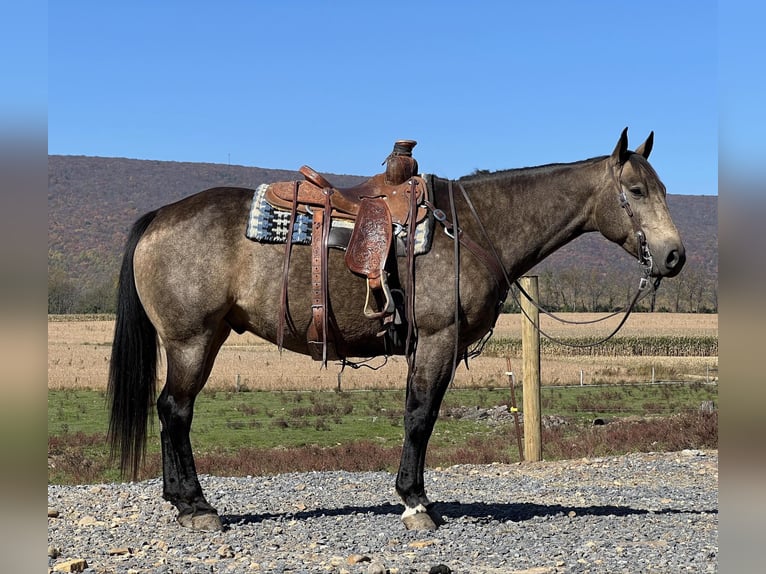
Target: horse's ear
{"points": [[620, 153], [646, 148]]}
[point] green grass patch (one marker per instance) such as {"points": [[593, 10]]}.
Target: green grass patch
{"points": [[264, 432], [584, 403]]}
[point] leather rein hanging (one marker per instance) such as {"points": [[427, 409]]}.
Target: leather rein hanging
{"points": [[492, 262]]}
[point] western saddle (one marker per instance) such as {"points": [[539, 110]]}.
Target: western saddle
{"points": [[385, 202]]}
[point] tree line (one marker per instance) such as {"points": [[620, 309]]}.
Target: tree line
{"points": [[567, 290], [583, 290]]}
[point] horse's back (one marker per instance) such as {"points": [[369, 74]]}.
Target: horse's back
{"points": [[226, 207]]}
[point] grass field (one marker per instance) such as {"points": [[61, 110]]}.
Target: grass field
{"points": [[261, 432]]}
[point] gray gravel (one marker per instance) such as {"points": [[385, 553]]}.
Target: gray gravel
{"points": [[648, 512]]}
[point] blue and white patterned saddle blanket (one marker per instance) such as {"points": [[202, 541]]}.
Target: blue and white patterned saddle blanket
{"points": [[267, 224]]}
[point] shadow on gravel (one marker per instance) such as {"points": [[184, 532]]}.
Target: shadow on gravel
{"points": [[395, 509], [520, 512], [482, 512]]}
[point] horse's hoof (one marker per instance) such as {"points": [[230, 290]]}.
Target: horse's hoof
{"points": [[419, 521], [206, 521]]}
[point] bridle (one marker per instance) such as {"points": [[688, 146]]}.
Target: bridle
{"points": [[644, 254]]}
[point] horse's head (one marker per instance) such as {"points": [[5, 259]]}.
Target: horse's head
{"points": [[633, 204]]}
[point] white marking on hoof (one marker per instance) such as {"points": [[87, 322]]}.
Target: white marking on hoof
{"points": [[409, 511]]}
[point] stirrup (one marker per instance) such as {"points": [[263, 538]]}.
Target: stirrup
{"points": [[389, 306]]}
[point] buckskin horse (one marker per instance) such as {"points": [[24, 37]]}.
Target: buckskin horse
{"points": [[190, 276]]}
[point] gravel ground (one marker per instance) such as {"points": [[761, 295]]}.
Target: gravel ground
{"points": [[647, 512]]}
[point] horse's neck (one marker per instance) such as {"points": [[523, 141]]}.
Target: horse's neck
{"points": [[531, 213]]}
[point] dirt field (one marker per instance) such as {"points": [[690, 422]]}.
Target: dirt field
{"points": [[78, 357]]}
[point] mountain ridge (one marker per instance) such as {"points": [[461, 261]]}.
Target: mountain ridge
{"points": [[93, 201]]}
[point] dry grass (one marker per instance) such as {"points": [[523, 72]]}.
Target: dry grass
{"points": [[79, 349], [77, 463]]}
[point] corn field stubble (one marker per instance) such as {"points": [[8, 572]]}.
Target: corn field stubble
{"points": [[79, 348]]}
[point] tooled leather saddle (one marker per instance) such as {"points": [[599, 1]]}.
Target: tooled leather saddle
{"points": [[389, 200]]}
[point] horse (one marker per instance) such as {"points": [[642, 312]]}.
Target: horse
{"points": [[189, 277]]}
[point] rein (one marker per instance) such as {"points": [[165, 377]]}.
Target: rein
{"points": [[495, 266]]}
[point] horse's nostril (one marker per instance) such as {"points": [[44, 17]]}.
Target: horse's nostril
{"points": [[674, 259]]}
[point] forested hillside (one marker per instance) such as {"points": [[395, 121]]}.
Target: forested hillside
{"points": [[93, 201]]}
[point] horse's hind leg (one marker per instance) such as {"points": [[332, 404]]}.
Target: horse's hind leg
{"points": [[189, 365]]}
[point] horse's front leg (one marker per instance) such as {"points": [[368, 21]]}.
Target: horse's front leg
{"points": [[428, 378]]}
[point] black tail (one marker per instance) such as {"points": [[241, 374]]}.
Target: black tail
{"points": [[133, 367]]}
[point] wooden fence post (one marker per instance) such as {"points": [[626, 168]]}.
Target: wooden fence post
{"points": [[530, 348]]}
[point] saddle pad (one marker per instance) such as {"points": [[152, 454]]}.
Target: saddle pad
{"points": [[266, 224], [269, 225]]}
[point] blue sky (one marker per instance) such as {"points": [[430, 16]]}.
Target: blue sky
{"points": [[485, 85]]}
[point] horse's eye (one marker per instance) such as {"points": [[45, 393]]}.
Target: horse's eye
{"points": [[636, 191]]}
